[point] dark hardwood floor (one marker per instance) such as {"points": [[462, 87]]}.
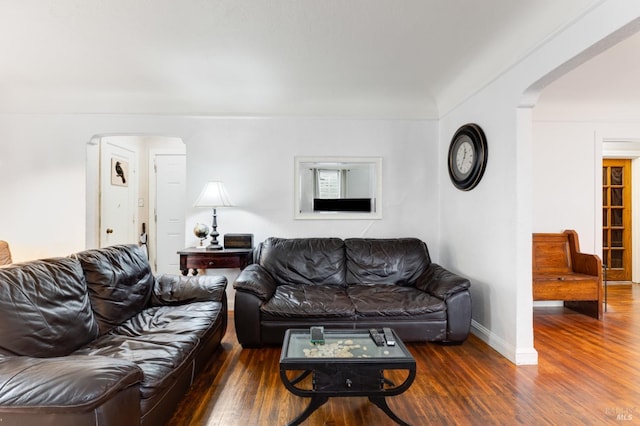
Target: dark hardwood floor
{"points": [[588, 374]]}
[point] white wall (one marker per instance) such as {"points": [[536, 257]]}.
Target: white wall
{"points": [[255, 159], [42, 167], [487, 232], [564, 181], [480, 236], [568, 176]]}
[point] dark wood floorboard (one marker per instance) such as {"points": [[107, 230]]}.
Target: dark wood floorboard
{"points": [[588, 374]]}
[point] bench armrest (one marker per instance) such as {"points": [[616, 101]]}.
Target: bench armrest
{"points": [[588, 264], [257, 280], [178, 289], [441, 283]]}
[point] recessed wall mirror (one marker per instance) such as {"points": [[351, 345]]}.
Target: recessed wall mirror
{"points": [[338, 188]]}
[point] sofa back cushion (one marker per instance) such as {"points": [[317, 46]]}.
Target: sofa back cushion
{"points": [[385, 261], [304, 260], [44, 308], [120, 283]]}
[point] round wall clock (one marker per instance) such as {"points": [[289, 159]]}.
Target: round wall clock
{"points": [[467, 157]]}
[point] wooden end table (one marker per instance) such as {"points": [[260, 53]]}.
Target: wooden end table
{"points": [[194, 258]]}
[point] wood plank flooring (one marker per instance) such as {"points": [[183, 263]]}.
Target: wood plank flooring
{"points": [[588, 374]]}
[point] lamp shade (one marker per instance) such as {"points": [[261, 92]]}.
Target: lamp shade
{"points": [[213, 195]]}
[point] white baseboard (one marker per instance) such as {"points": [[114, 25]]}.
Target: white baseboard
{"points": [[518, 356], [548, 304]]}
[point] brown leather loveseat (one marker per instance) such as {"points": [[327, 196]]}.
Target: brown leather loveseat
{"points": [[352, 283], [96, 339]]}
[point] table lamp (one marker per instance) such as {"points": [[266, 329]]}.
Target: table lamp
{"points": [[213, 195]]}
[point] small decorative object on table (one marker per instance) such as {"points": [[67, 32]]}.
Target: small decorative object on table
{"points": [[201, 231]]}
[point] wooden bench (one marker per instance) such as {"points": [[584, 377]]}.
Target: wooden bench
{"points": [[561, 272]]}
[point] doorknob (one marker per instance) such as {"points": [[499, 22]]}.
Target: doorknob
{"points": [[109, 231]]}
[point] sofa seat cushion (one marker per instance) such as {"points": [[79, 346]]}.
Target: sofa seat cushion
{"points": [[55, 384], [159, 340], [193, 319], [388, 300], [308, 301]]}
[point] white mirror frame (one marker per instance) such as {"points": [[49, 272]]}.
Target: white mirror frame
{"points": [[376, 161]]}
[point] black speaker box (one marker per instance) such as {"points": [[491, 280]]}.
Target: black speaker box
{"points": [[238, 241]]}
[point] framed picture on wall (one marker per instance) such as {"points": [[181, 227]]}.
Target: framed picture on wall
{"points": [[119, 172]]}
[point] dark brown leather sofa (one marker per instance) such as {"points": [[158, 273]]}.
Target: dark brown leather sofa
{"points": [[96, 339], [352, 283]]}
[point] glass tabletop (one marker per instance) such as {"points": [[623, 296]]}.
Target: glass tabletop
{"points": [[340, 344]]}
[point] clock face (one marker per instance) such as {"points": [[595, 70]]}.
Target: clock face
{"points": [[464, 157], [467, 157]]}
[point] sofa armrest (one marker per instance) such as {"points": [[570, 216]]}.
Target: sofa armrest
{"points": [[256, 280], [178, 289], [454, 290], [56, 384], [441, 283]]}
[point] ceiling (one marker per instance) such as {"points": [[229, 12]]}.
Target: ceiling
{"points": [[372, 58]]}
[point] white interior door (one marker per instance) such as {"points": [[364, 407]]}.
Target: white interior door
{"points": [[170, 199], [118, 191]]}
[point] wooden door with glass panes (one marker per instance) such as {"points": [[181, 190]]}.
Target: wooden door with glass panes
{"points": [[616, 218]]}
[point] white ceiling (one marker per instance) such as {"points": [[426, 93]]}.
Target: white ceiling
{"points": [[374, 58]]}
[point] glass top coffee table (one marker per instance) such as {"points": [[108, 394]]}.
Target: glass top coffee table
{"points": [[348, 363]]}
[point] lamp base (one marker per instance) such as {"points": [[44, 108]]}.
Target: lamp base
{"points": [[214, 234]]}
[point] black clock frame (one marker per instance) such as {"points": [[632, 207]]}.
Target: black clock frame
{"points": [[476, 135]]}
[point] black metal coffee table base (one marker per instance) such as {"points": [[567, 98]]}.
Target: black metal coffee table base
{"points": [[345, 377], [381, 403], [318, 401], [315, 403], [319, 397]]}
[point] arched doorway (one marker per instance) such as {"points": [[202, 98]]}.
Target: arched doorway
{"points": [[134, 187], [578, 107]]}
